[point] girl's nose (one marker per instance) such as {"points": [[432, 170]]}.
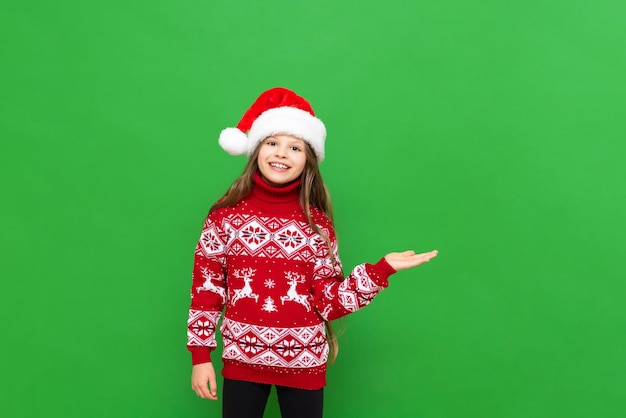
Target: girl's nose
{"points": [[281, 151]]}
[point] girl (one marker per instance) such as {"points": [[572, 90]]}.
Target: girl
{"points": [[268, 255]]}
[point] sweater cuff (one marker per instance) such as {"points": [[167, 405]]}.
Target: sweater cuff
{"points": [[200, 354], [380, 272]]}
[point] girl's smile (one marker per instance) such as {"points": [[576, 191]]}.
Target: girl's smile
{"points": [[281, 159]]}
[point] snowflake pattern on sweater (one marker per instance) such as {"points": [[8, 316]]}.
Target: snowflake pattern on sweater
{"points": [[263, 265]]}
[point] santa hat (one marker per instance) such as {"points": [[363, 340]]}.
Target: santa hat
{"points": [[275, 111]]}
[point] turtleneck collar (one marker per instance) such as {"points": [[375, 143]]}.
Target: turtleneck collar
{"points": [[287, 193]]}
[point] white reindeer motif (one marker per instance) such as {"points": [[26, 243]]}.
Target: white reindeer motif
{"points": [[208, 284], [292, 294], [246, 291], [326, 311], [328, 291]]}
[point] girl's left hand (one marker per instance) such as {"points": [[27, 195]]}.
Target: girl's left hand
{"points": [[408, 259]]}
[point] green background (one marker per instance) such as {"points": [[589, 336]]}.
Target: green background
{"points": [[493, 131]]}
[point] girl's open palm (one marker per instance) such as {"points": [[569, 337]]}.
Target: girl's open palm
{"points": [[408, 259]]}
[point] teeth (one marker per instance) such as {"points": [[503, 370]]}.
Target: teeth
{"points": [[283, 166]]}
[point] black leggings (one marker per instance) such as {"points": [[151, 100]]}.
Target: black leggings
{"points": [[242, 399]]}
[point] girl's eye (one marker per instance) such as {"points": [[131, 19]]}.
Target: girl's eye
{"points": [[294, 148], [271, 143]]}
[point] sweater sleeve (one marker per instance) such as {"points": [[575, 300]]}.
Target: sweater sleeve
{"points": [[208, 291], [335, 296]]}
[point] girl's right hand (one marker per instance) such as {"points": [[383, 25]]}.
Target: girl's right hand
{"points": [[408, 259], [202, 375]]}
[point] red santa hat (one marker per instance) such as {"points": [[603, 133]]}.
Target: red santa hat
{"points": [[275, 111]]}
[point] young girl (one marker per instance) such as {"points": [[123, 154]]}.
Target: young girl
{"points": [[268, 254]]}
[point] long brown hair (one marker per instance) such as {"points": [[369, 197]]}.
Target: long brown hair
{"points": [[313, 192]]}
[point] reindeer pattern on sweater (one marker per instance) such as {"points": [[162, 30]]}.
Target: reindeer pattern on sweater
{"points": [[277, 284]]}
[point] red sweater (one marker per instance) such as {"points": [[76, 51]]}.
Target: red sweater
{"points": [[261, 261]]}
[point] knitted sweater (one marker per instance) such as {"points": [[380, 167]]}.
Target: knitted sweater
{"points": [[261, 261]]}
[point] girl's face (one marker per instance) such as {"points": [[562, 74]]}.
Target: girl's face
{"points": [[281, 159]]}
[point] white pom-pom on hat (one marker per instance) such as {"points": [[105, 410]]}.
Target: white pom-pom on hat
{"points": [[233, 141]]}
